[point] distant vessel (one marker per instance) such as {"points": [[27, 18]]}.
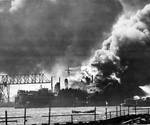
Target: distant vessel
{"points": [[40, 98], [45, 98], [144, 101]]}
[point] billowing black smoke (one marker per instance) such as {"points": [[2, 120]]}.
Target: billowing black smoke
{"points": [[36, 34], [124, 59]]}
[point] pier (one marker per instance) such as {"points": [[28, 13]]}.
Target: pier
{"points": [[122, 115]]}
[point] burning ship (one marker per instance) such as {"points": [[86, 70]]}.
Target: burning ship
{"points": [[44, 98], [69, 97]]}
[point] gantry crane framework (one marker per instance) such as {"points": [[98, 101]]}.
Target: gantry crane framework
{"points": [[20, 79]]}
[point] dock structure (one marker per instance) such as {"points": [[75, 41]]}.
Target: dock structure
{"points": [[129, 116], [21, 79]]}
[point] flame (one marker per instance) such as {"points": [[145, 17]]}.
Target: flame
{"points": [[146, 89]]}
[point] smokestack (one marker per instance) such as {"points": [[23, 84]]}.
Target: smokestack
{"points": [[60, 80], [52, 83], [66, 83], [57, 87]]}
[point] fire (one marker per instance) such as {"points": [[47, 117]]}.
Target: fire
{"points": [[146, 89], [124, 56]]}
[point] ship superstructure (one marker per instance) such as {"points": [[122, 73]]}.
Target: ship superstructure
{"points": [[40, 98]]}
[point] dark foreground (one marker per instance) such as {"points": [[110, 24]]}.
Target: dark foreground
{"points": [[128, 119]]}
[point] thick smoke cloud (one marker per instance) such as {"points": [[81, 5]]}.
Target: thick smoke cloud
{"points": [[36, 34], [125, 55], [131, 6]]}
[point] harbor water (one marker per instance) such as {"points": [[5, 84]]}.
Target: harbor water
{"points": [[37, 113]]}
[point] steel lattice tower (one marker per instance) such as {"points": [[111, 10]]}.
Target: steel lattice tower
{"points": [[7, 80]]}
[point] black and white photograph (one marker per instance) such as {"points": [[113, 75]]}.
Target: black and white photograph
{"points": [[74, 62]]}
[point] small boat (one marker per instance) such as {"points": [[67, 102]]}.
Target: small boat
{"points": [[89, 111]]}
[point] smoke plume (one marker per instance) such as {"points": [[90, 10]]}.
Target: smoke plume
{"points": [[36, 34], [131, 6], [124, 57]]}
